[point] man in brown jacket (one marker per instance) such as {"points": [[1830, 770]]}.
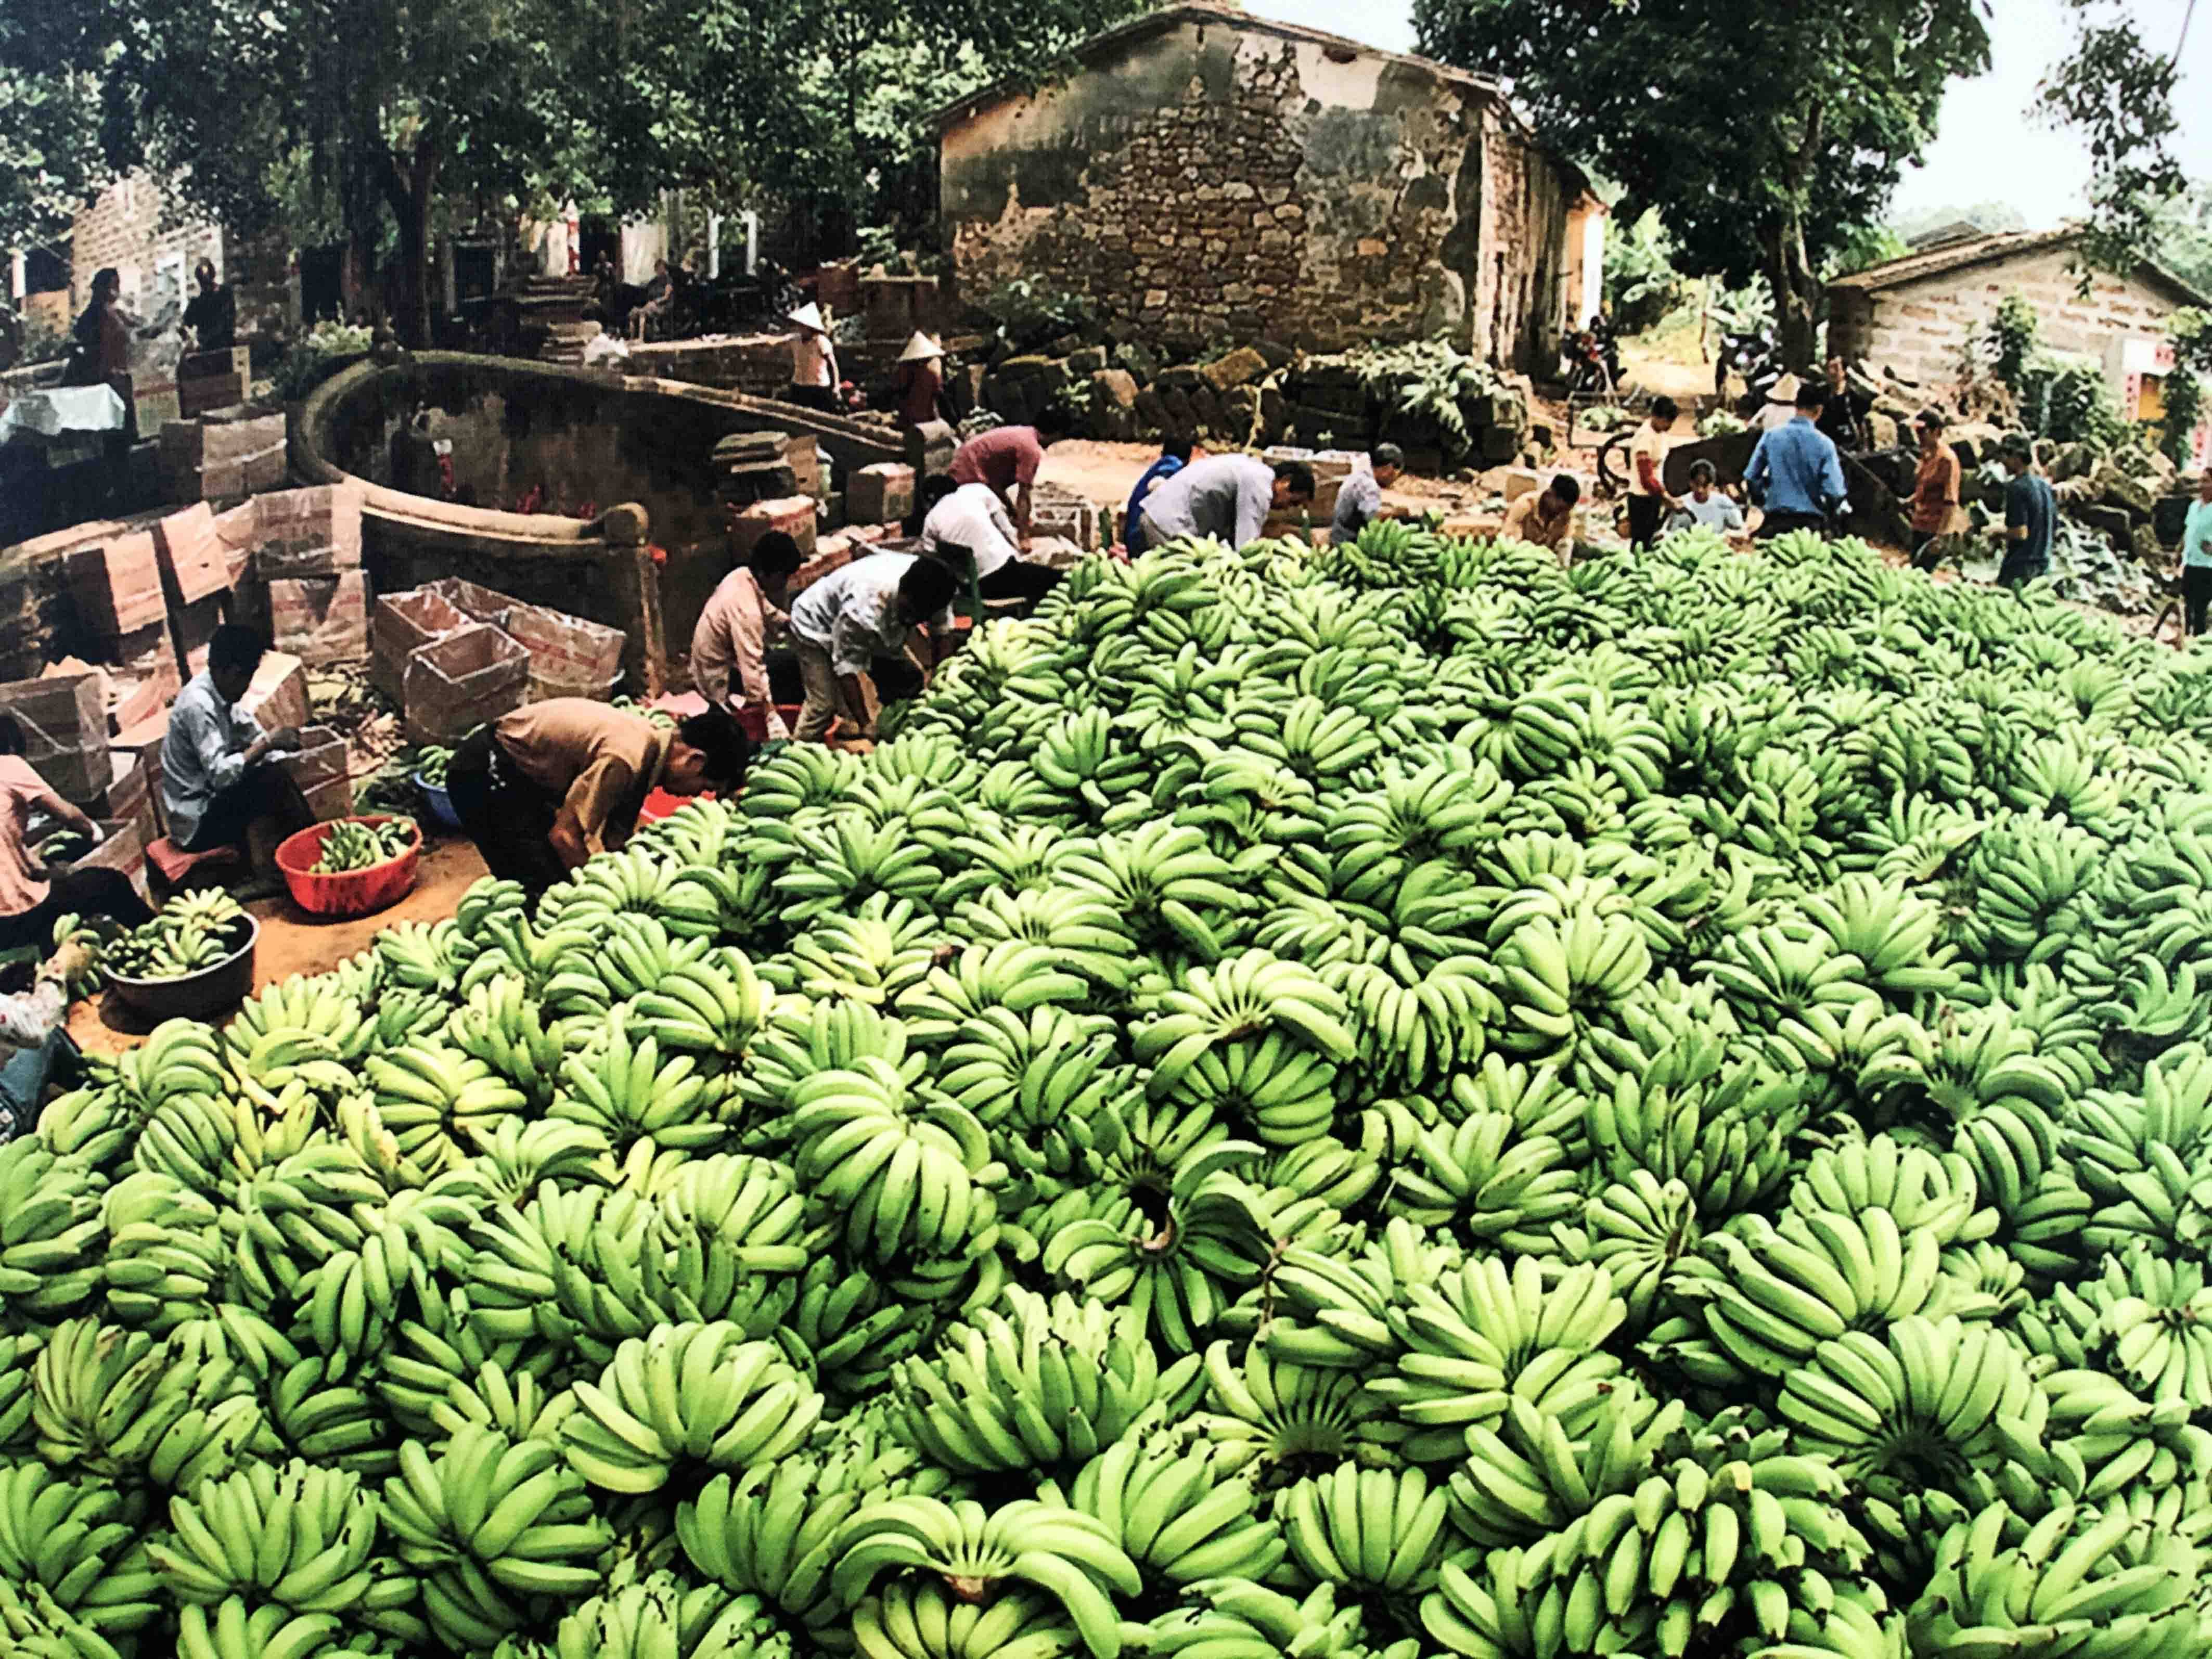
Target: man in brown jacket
{"points": [[729, 658], [541, 789]]}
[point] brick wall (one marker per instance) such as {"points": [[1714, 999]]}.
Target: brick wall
{"points": [[124, 228], [1213, 180], [1918, 328]]}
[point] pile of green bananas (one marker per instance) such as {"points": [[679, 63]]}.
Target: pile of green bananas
{"points": [[352, 844], [1386, 1103], [431, 761], [189, 933], [65, 847]]}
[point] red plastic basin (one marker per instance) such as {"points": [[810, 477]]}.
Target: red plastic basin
{"points": [[356, 892]]}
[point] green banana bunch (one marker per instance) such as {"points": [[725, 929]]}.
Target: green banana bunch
{"points": [[298, 1537], [75, 1543], [622, 1088], [1718, 1123], [189, 934], [904, 1175], [1771, 1296], [1531, 1479], [513, 1159], [351, 845], [1366, 1530], [121, 1404], [690, 1393], [1486, 1182], [1484, 1334], [2080, 1580], [50, 1233], [488, 1526], [920, 1618], [435, 1099], [1639, 1229], [1266, 1413], [503, 1026], [1183, 1271], [166, 1255], [658, 1617], [1048, 1383], [1069, 1556], [1922, 1407], [1174, 1513]]}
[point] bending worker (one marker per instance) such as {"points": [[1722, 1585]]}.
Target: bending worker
{"points": [[966, 525], [30, 902], [841, 624], [218, 782], [1225, 497], [729, 660], [541, 789]]}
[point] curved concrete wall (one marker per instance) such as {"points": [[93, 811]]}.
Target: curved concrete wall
{"points": [[593, 438]]}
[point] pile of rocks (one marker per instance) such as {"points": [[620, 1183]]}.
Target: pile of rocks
{"points": [[1250, 395]]}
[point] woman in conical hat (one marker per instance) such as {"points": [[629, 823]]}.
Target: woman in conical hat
{"points": [[813, 361], [921, 381]]}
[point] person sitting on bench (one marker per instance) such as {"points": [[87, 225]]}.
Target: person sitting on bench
{"points": [[218, 782]]}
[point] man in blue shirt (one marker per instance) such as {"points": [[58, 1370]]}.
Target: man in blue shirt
{"points": [[1175, 455], [2031, 515], [2197, 556], [1796, 473]]}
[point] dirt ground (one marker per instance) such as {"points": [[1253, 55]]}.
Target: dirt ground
{"points": [[293, 942]]}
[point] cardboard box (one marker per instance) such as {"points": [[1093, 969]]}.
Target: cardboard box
{"points": [[320, 757], [143, 741], [236, 528], [881, 494], [122, 848], [569, 656], [455, 685], [195, 564], [478, 603], [320, 620], [140, 674], [65, 721], [330, 799], [794, 515], [192, 628], [401, 625], [308, 532], [117, 583], [278, 696], [120, 793]]}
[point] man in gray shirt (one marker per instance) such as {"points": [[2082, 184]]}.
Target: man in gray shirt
{"points": [[1359, 497], [1225, 497]]}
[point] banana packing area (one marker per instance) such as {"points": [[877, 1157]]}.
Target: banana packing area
{"points": [[1398, 1098]]}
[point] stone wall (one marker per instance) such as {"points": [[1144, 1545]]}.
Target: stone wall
{"points": [[124, 228], [1918, 328], [1211, 179]]}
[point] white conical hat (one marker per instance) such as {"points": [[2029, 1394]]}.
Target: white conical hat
{"points": [[1784, 390], [920, 350], [809, 316]]}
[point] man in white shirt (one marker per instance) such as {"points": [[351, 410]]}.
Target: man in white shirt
{"points": [[966, 526], [841, 624], [1649, 503], [217, 781]]}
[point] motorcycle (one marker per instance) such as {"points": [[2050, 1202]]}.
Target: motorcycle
{"points": [[1593, 367], [1756, 359]]}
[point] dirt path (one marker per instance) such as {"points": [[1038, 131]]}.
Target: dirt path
{"points": [[294, 942]]}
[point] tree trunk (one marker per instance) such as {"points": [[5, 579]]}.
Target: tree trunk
{"points": [[411, 191], [1796, 297]]}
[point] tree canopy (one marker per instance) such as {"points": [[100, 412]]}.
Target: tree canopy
{"points": [[1764, 135], [369, 113]]}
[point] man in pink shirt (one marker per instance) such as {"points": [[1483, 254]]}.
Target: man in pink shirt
{"points": [[729, 664], [30, 902], [1007, 458]]}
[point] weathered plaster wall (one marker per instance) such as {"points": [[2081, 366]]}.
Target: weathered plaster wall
{"points": [[1918, 328], [1209, 182]]}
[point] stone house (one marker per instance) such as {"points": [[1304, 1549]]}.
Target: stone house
{"points": [[1914, 315], [1204, 174]]}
